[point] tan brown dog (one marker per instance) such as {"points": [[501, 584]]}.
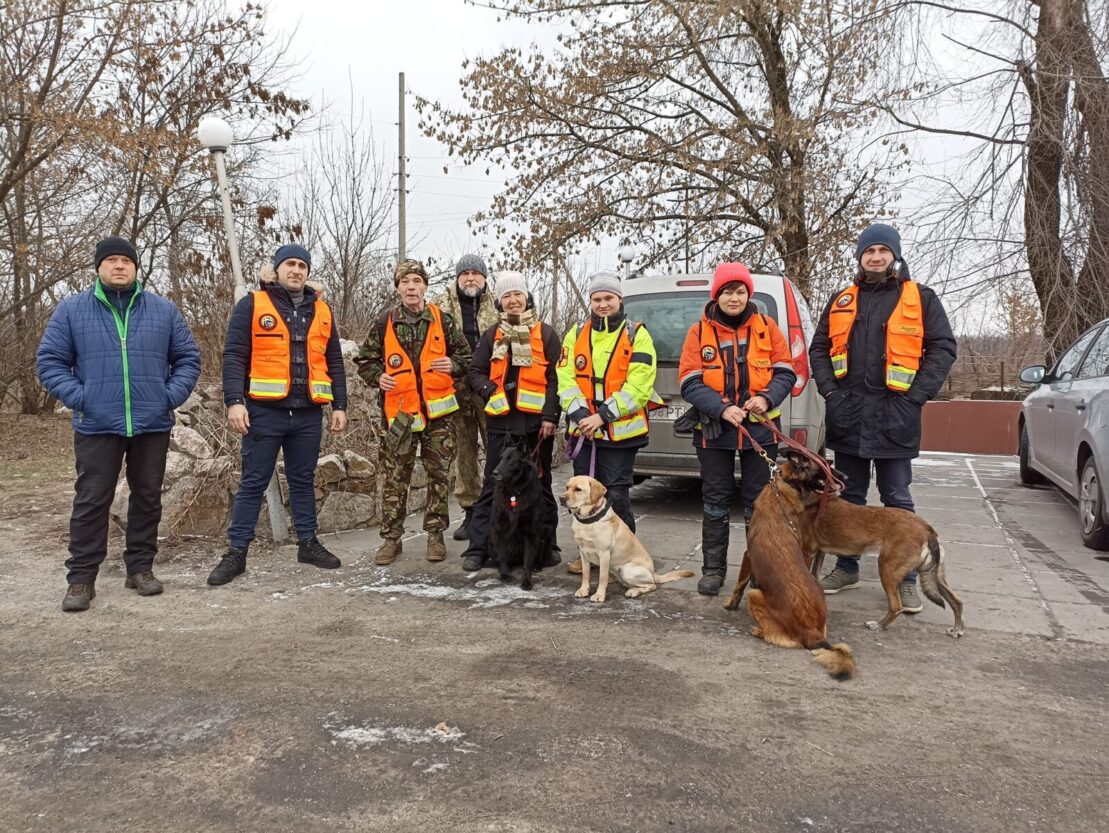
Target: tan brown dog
{"points": [[605, 540], [788, 606], [903, 540]]}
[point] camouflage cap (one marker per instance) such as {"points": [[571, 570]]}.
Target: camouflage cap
{"points": [[409, 267]]}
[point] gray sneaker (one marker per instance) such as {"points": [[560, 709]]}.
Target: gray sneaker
{"points": [[910, 601], [839, 579]]}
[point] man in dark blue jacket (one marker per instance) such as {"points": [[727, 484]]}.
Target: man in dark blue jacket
{"points": [[121, 359], [281, 364], [861, 355]]}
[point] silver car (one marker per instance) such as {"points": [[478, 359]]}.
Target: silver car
{"points": [[669, 306], [1064, 429]]}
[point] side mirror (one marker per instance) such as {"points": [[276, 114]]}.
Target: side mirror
{"points": [[1033, 375]]}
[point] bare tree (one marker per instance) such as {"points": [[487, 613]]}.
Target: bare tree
{"points": [[710, 126], [1033, 199]]}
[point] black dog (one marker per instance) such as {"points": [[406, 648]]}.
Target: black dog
{"points": [[519, 535]]}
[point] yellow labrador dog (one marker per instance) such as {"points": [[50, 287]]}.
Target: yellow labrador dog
{"points": [[605, 540]]}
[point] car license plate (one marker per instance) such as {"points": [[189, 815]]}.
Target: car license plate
{"points": [[670, 413]]}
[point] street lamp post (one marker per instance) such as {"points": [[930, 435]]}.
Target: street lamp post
{"points": [[626, 255], [216, 135]]}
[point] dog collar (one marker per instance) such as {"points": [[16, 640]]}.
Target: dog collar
{"points": [[592, 519]]}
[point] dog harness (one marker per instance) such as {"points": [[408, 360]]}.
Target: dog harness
{"points": [[592, 519]]}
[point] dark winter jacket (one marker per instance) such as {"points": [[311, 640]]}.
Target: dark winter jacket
{"points": [[237, 349], [120, 373], [515, 422], [864, 417], [733, 353]]}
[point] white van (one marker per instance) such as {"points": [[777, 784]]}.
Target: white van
{"points": [[669, 306]]}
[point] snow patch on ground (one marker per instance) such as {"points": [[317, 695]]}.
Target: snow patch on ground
{"points": [[486, 593]]}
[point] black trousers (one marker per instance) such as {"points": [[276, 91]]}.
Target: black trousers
{"points": [[718, 478], [99, 458], [483, 509], [614, 467]]}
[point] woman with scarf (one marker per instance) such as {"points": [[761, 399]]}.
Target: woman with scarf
{"points": [[513, 370]]}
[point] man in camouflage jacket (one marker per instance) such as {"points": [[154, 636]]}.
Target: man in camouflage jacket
{"points": [[470, 303], [411, 320]]}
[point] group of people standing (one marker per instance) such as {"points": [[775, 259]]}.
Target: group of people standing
{"points": [[477, 366]]}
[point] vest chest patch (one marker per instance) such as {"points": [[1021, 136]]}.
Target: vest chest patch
{"points": [[267, 322], [708, 354], [395, 360], [844, 301], [580, 362]]}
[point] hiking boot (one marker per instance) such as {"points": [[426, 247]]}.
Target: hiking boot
{"points": [[839, 579], [145, 583], [709, 585], [387, 553], [910, 601], [574, 567], [314, 553], [463, 531], [232, 564], [78, 596], [473, 563], [436, 549]]}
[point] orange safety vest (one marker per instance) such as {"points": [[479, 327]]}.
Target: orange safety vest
{"points": [[270, 352], [597, 389], [759, 361], [424, 393], [904, 335], [531, 383]]}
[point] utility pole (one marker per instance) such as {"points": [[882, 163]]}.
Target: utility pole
{"points": [[554, 290], [686, 235], [401, 242]]}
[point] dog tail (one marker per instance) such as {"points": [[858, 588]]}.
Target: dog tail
{"points": [[838, 660], [930, 562], [673, 575]]}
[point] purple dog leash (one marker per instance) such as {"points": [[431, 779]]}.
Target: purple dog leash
{"points": [[573, 452]]}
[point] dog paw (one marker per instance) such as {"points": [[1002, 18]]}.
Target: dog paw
{"points": [[581, 594], [756, 632], [525, 585], [597, 597], [955, 633], [871, 625], [506, 577]]}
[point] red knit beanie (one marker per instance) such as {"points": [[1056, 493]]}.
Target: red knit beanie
{"points": [[727, 273]]}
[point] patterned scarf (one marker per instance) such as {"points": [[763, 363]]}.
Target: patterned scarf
{"points": [[516, 331]]}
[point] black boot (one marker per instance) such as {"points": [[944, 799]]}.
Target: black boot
{"points": [[463, 531], [714, 550], [314, 553], [232, 564]]}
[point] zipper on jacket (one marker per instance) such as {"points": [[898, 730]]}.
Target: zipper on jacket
{"points": [[122, 327]]}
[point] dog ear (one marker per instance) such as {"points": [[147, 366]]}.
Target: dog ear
{"points": [[596, 491]]}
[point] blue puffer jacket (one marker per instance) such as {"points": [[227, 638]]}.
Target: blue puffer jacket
{"points": [[120, 373]]}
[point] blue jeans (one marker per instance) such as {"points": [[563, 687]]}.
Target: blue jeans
{"points": [[894, 478], [297, 432]]}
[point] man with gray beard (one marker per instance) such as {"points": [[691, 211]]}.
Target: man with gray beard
{"points": [[468, 302]]}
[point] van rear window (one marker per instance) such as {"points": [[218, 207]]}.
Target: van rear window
{"points": [[669, 315]]}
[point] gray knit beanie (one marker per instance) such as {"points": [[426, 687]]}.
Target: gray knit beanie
{"points": [[468, 263], [510, 282], [605, 282]]}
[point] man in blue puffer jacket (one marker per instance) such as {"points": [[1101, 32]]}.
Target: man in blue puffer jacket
{"points": [[121, 359]]}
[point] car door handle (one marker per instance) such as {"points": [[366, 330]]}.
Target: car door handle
{"points": [[1050, 406], [1080, 407]]}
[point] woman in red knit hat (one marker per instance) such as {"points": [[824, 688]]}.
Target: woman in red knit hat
{"points": [[735, 370]]}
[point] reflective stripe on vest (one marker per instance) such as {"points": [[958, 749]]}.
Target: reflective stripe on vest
{"points": [[271, 352], [597, 389], [428, 394], [758, 360], [531, 382], [904, 335]]}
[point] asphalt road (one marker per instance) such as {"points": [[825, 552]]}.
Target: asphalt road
{"points": [[298, 700]]}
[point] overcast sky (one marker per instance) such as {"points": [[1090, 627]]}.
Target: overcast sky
{"points": [[369, 43]]}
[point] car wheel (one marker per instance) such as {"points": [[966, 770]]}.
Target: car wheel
{"points": [[1028, 475], [1091, 505]]}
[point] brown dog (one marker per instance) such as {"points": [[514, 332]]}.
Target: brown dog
{"points": [[605, 540], [904, 541], [788, 606]]}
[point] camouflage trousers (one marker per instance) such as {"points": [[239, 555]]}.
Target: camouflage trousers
{"points": [[436, 447], [469, 427]]}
